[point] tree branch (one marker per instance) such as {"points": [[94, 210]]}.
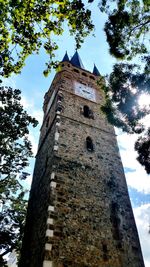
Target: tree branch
{"points": [[140, 25]]}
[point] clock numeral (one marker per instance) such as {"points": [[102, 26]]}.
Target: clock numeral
{"points": [[86, 91]]}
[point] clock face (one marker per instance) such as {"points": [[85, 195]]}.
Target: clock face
{"points": [[85, 91]]}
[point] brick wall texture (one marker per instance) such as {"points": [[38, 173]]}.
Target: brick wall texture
{"points": [[79, 212]]}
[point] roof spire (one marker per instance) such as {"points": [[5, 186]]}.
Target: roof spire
{"points": [[96, 71], [76, 61], [65, 58]]}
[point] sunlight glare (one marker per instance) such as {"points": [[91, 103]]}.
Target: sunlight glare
{"points": [[144, 100]]}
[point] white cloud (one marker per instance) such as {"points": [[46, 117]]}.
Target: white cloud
{"points": [[137, 179], [33, 136], [31, 108], [147, 263], [29, 180], [146, 120], [27, 104], [38, 114], [34, 141], [144, 100], [142, 217], [140, 181], [27, 185]]}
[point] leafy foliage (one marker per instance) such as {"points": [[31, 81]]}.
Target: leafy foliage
{"points": [[15, 148], [27, 26], [127, 27], [123, 90], [142, 146], [12, 220], [14, 144], [127, 31]]}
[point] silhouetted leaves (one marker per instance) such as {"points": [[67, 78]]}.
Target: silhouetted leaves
{"points": [[27, 26], [15, 148], [125, 85], [127, 31], [142, 146], [127, 27]]}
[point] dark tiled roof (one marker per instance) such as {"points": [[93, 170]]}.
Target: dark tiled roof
{"points": [[76, 61], [65, 58], [96, 71]]}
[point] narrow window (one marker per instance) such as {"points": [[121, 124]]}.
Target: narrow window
{"points": [[76, 71], [104, 248], [84, 74], [47, 122], [89, 144], [105, 252], [67, 263], [92, 77], [87, 112]]}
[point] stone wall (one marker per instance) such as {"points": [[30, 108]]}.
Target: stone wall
{"points": [[92, 224], [79, 211]]}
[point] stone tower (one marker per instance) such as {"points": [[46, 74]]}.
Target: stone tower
{"points": [[79, 212]]}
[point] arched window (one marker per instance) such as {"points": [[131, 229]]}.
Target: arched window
{"points": [[87, 112], [77, 71], [105, 252], [93, 78], [84, 74], [89, 144]]}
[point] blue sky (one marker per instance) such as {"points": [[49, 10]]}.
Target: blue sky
{"points": [[34, 85]]}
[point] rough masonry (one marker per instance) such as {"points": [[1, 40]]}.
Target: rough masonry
{"points": [[79, 212]]}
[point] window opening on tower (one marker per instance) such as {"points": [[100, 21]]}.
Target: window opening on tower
{"points": [[89, 144], [87, 112], [84, 74], [92, 77], [77, 71], [105, 252]]}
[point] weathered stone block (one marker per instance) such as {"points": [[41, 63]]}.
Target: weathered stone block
{"points": [[79, 212]]}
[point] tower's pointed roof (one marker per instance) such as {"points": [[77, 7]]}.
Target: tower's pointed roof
{"points": [[96, 71], [65, 58], [76, 61]]}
